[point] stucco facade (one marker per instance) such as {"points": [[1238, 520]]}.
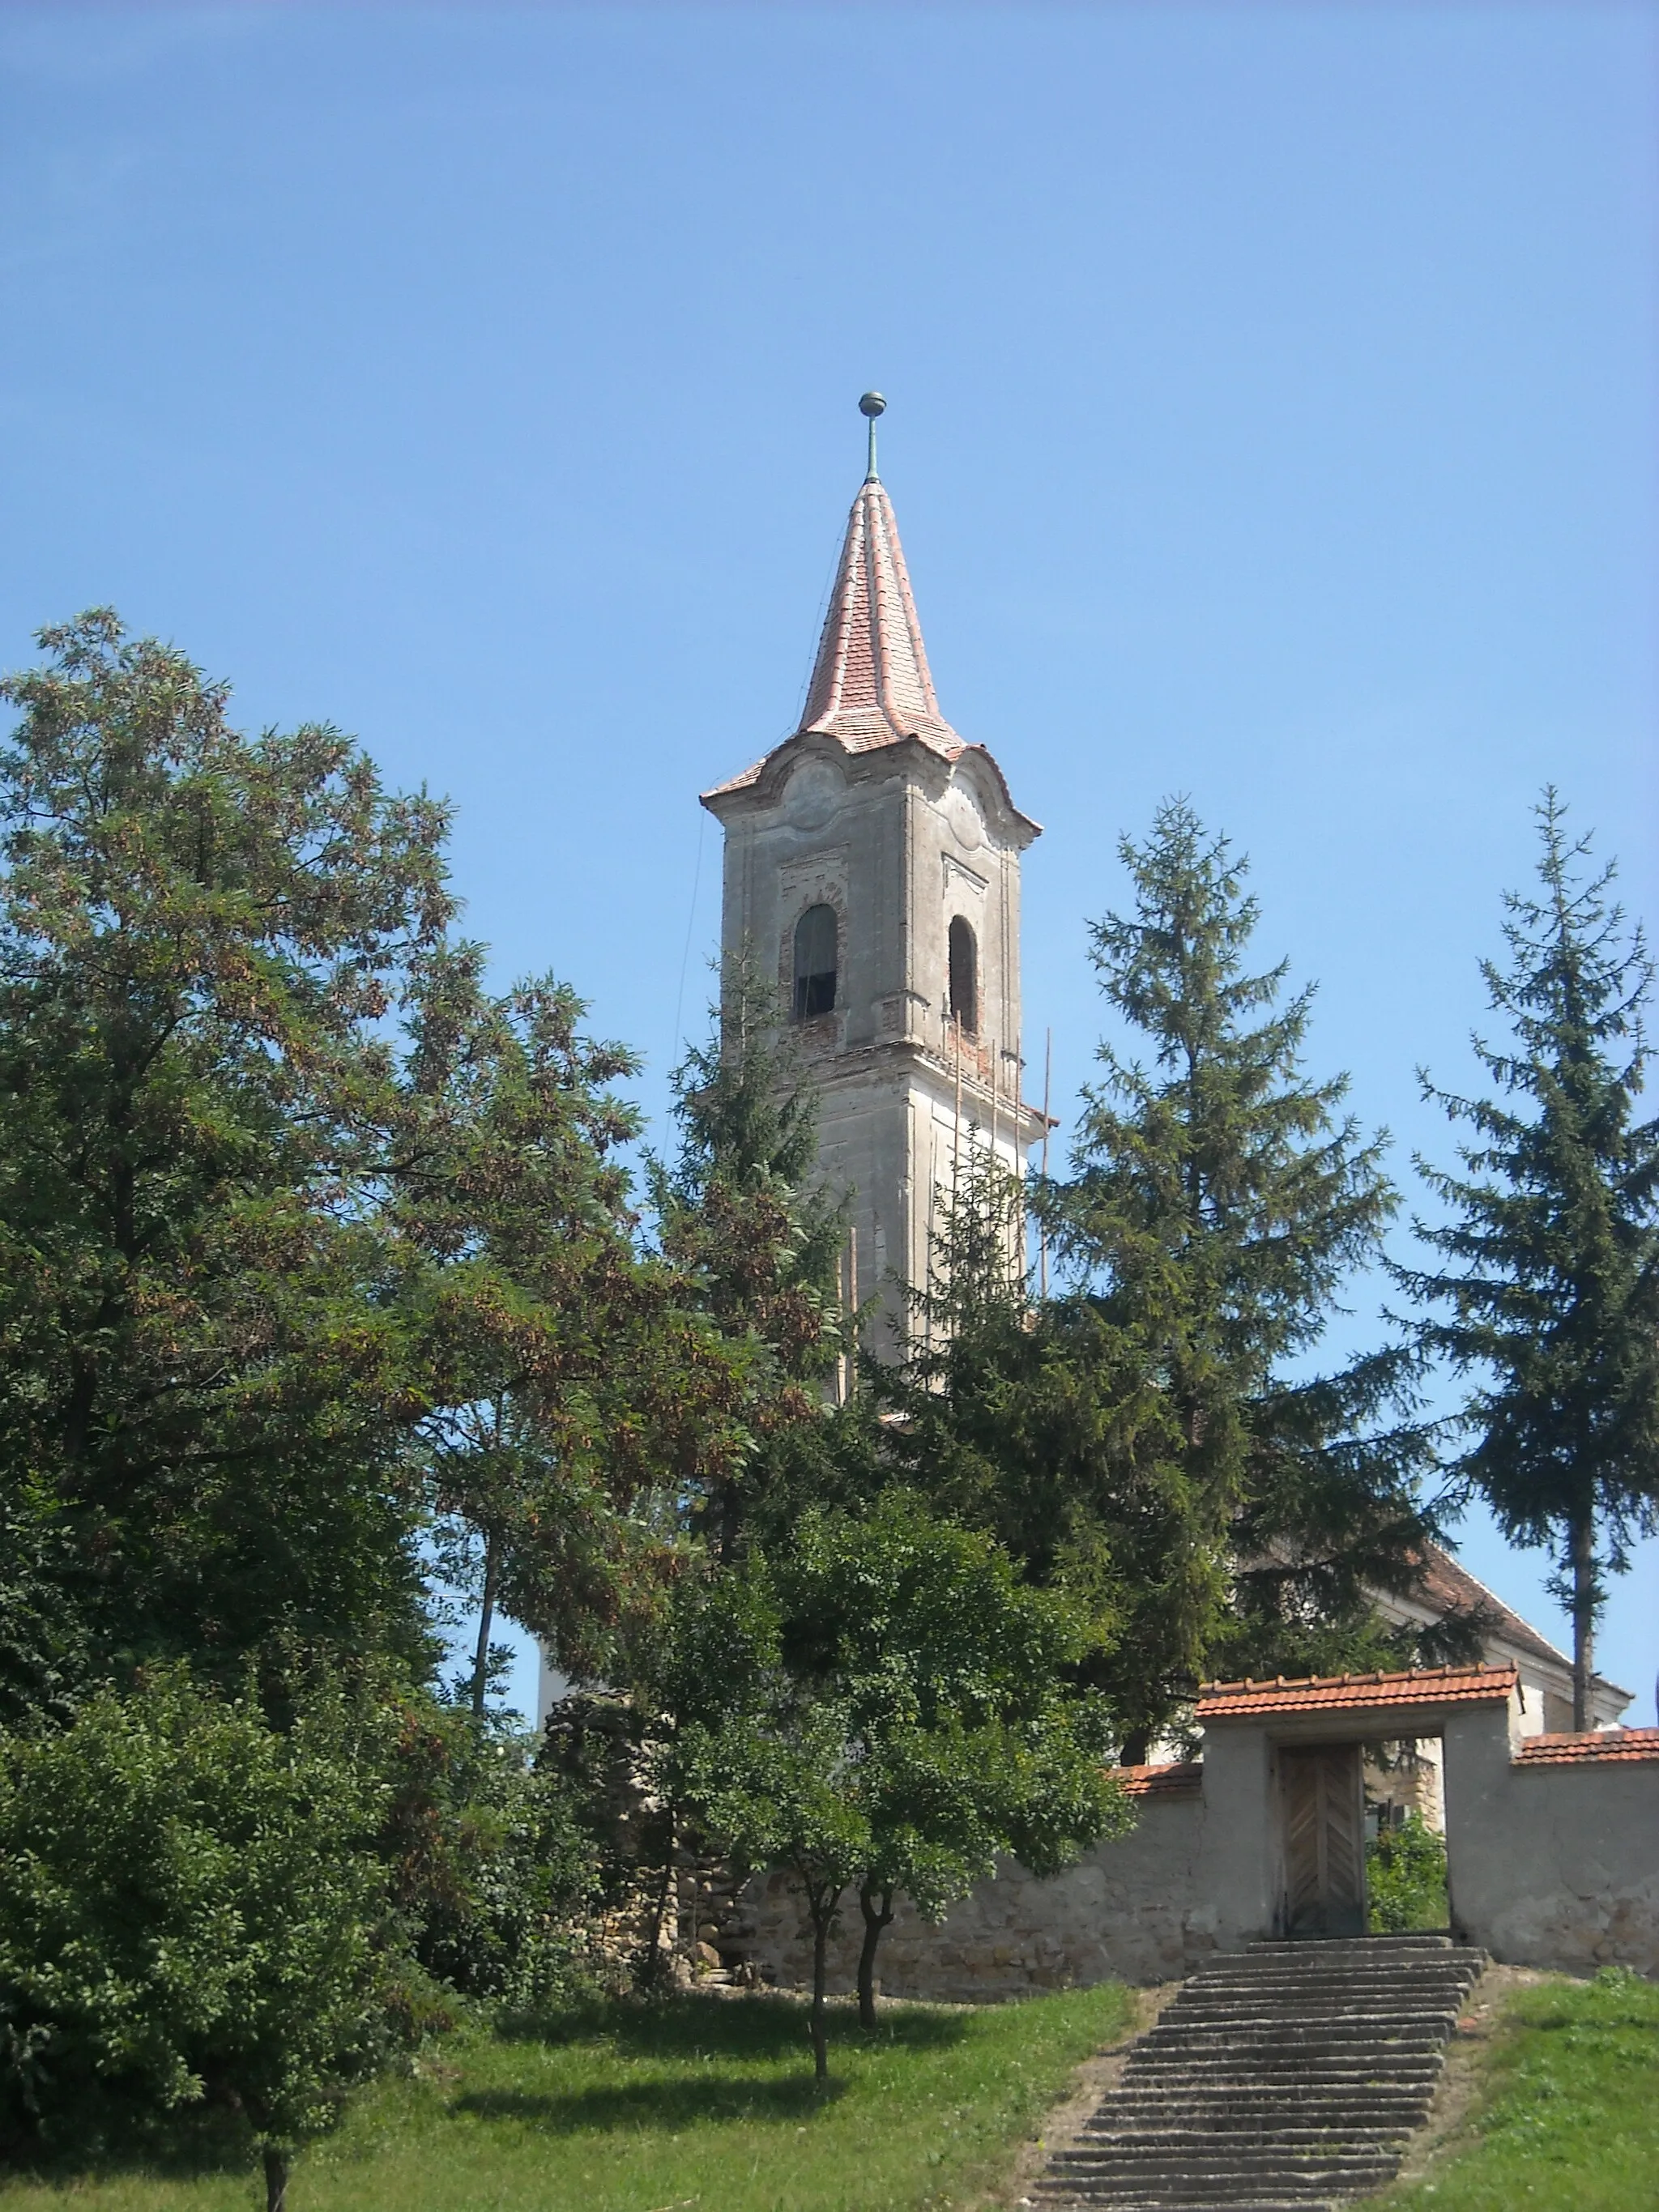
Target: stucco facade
{"points": [[875, 810], [1552, 1842]]}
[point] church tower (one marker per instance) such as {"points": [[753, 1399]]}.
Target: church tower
{"points": [[872, 866]]}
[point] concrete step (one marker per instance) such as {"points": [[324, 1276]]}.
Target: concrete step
{"points": [[1283, 2079], [1201, 2200], [1393, 2114]]}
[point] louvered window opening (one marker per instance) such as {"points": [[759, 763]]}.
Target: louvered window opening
{"points": [[965, 977], [816, 949]]}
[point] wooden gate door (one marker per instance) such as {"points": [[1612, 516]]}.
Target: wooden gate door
{"points": [[1322, 1796]]}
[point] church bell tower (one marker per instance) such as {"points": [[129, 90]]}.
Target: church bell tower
{"points": [[872, 866]]}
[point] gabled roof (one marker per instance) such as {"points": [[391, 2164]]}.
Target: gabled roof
{"points": [[1451, 1588], [1446, 1586], [1357, 1693], [1602, 1745]]}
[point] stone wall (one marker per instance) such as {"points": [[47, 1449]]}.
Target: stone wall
{"points": [[1129, 1911], [1554, 1863]]}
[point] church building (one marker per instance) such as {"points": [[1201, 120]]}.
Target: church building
{"points": [[872, 866]]}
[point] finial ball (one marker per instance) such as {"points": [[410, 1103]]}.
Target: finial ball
{"points": [[872, 404]]}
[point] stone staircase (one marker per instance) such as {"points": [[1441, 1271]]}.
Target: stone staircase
{"points": [[1285, 2078]]}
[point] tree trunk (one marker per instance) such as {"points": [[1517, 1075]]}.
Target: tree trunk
{"points": [[874, 1922], [821, 1903], [486, 1620], [651, 1959], [276, 2163], [1136, 1745], [1586, 1603]]}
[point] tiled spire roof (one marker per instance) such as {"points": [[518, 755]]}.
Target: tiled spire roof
{"points": [[870, 684]]}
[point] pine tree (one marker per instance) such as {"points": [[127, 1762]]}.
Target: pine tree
{"points": [[1218, 1200], [1037, 1421], [1551, 1243]]}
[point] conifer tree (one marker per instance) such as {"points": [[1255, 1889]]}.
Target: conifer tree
{"points": [[744, 1215], [1218, 1200], [1035, 1420], [1549, 1280]]}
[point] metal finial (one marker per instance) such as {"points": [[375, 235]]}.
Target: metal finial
{"points": [[870, 406]]}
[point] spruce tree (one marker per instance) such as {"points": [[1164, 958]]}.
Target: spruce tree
{"points": [[1218, 1200], [1549, 1280], [1039, 1422], [744, 1215]]}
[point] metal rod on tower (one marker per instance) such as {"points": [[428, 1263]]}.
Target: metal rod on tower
{"points": [[955, 1141], [853, 1307], [1022, 1250], [1042, 1232], [870, 406]]}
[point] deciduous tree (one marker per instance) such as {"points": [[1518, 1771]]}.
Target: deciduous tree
{"points": [[192, 1912], [203, 1385], [884, 1706]]}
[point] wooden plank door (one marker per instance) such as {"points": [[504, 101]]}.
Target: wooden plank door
{"points": [[1323, 1797]]}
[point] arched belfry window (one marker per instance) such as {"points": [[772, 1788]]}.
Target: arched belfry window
{"points": [[815, 963], [965, 977]]}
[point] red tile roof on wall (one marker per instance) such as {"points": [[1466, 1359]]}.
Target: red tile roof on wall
{"points": [[1357, 1693], [1177, 1779], [1601, 1744]]}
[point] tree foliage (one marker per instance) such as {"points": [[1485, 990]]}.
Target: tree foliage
{"points": [[744, 1215], [1548, 1292], [192, 1912], [203, 1385], [572, 1381], [1219, 1198], [883, 1706]]}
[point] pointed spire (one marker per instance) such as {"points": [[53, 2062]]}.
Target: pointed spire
{"points": [[870, 684]]}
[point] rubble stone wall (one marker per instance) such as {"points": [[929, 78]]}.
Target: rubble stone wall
{"points": [[1127, 1912]]}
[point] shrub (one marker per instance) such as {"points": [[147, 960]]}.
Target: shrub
{"points": [[1405, 1878], [192, 1913]]}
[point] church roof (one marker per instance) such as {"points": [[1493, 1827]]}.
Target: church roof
{"points": [[871, 682]]}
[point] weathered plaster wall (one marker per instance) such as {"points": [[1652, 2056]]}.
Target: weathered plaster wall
{"points": [[1553, 1866], [1126, 1911], [898, 840]]}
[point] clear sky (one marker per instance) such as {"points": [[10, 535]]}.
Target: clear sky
{"points": [[1272, 419]]}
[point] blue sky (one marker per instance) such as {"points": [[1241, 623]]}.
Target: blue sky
{"points": [[1272, 419]]}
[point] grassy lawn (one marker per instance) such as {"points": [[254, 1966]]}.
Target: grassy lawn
{"points": [[704, 2103], [1569, 2120]]}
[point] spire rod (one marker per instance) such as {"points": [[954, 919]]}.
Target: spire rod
{"points": [[870, 406]]}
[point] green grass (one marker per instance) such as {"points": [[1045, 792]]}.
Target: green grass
{"points": [[1569, 2117], [702, 2103]]}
